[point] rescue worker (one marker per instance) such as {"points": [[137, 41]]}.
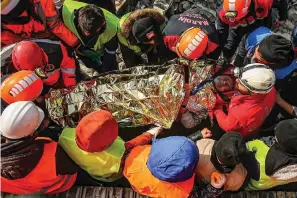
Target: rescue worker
{"points": [[249, 108], [263, 46], [238, 17], [222, 156], [96, 28], [52, 57], [29, 164], [140, 37], [33, 19], [96, 147], [20, 86], [192, 36], [273, 161], [167, 169]]}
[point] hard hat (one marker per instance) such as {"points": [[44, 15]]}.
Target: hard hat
{"points": [[96, 131], [8, 5], [236, 9], [20, 119], [256, 77], [192, 43], [27, 55], [21, 86]]}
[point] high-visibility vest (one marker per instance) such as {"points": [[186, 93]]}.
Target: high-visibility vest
{"points": [[110, 31], [124, 40], [143, 182], [43, 178], [103, 166], [265, 182]]}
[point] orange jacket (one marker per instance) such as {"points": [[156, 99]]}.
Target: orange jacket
{"points": [[43, 178], [136, 170], [48, 24]]}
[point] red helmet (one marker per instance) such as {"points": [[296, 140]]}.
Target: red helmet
{"points": [[236, 9], [27, 55], [21, 86]]}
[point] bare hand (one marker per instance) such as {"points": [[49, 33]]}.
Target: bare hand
{"points": [[155, 131], [206, 133]]}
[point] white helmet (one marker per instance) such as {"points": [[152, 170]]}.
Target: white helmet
{"points": [[20, 119], [256, 77]]}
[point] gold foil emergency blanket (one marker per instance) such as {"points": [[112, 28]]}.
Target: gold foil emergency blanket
{"points": [[137, 96]]}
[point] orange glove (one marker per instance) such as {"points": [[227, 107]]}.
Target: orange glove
{"points": [[217, 180]]}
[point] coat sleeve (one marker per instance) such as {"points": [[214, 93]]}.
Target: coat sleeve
{"points": [[109, 62], [64, 164], [8, 38], [226, 122], [68, 67], [222, 28], [282, 7], [56, 25]]}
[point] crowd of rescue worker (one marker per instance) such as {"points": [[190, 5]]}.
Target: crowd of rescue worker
{"points": [[251, 144]]}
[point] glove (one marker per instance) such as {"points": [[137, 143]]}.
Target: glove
{"points": [[189, 121], [155, 131], [279, 23], [217, 180], [94, 56]]}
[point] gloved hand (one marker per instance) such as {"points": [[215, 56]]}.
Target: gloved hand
{"points": [[155, 131], [217, 180], [279, 23], [92, 55], [188, 120]]}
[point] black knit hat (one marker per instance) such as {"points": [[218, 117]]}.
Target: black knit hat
{"points": [[277, 50], [143, 30], [286, 135], [227, 152]]}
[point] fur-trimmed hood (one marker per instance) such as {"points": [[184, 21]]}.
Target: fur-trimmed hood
{"points": [[126, 28]]}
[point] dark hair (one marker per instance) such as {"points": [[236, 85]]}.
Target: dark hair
{"points": [[90, 19]]}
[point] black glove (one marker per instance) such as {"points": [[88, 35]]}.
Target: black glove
{"points": [[196, 136]]}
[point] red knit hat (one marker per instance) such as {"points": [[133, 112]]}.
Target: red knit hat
{"points": [[96, 131]]}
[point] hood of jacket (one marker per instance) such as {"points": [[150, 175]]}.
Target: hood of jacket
{"points": [[126, 29]]}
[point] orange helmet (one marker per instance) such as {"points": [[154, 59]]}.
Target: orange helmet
{"points": [[27, 55], [21, 86], [192, 43], [236, 9]]}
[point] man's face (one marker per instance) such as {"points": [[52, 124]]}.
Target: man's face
{"points": [[223, 83], [257, 57], [242, 89]]}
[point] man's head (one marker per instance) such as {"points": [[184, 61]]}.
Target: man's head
{"points": [[192, 44], [254, 78], [22, 119], [144, 31], [96, 131], [286, 136], [224, 83], [275, 51], [236, 9], [27, 55], [91, 20], [227, 152]]}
